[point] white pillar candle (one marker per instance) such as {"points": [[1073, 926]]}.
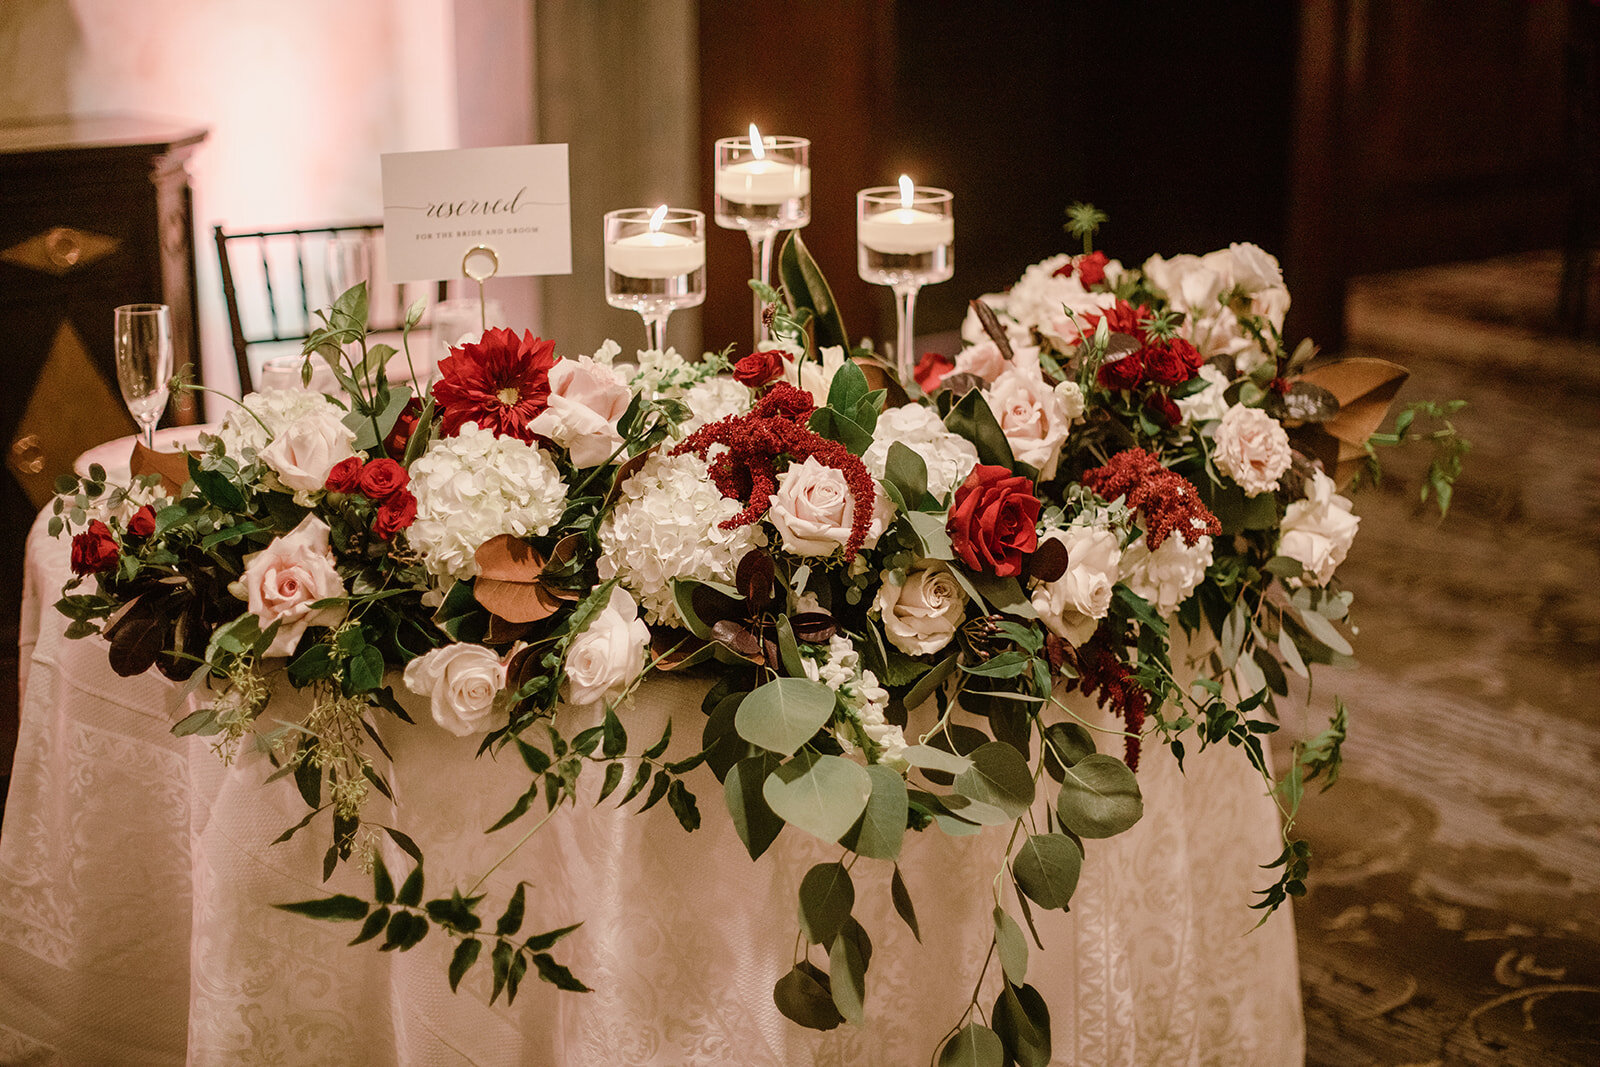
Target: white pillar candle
{"points": [[905, 231], [655, 255], [763, 181]]}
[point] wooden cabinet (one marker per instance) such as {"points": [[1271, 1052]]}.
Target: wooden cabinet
{"points": [[95, 211]]}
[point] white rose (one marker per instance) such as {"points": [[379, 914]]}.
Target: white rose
{"points": [[1168, 575], [1032, 414], [948, 456], [1252, 268], [283, 580], [461, 683], [306, 450], [812, 509], [982, 359], [1318, 531], [586, 401], [1073, 605], [922, 615], [1210, 403], [608, 655], [1252, 449], [815, 376]]}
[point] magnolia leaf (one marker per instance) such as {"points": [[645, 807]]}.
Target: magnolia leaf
{"points": [[878, 377], [1048, 562], [822, 795], [991, 326], [173, 467], [1011, 945], [882, 826], [974, 1046], [1099, 797], [848, 388], [805, 996], [907, 472], [972, 419], [998, 777], [1046, 868], [808, 289], [754, 821], [1364, 388], [784, 714], [826, 897], [932, 536]]}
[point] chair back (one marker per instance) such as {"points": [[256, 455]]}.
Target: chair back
{"points": [[274, 281]]}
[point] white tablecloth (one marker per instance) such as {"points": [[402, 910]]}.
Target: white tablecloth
{"points": [[136, 874]]}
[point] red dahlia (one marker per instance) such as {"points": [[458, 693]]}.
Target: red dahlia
{"points": [[500, 383]]}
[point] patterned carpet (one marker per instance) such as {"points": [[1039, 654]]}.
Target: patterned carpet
{"points": [[1454, 916]]}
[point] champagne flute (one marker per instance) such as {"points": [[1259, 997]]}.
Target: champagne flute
{"points": [[144, 362]]}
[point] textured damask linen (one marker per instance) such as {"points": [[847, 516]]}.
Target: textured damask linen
{"points": [[136, 874]]}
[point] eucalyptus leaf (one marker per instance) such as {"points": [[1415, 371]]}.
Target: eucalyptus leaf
{"points": [[804, 997], [784, 714], [1011, 945], [847, 971], [974, 1046], [826, 898], [753, 820], [822, 795], [936, 759], [1022, 1019], [1046, 867], [1099, 797], [999, 777], [902, 903], [881, 829]]}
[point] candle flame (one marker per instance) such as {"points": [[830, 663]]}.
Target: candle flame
{"points": [[757, 149], [656, 218], [907, 191]]}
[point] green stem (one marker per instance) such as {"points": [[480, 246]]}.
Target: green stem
{"points": [[513, 850]]}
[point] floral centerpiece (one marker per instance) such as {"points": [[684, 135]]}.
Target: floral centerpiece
{"points": [[897, 584]]}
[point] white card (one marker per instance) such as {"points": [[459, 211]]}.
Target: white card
{"points": [[438, 205]]}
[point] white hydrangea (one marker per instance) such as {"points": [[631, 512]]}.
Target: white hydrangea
{"points": [[666, 525], [864, 702], [275, 409], [475, 486], [949, 456], [714, 400], [1167, 576]]}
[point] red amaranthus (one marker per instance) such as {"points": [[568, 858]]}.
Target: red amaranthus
{"points": [[1168, 501], [1100, 670], [501, 383], [776, 428]]}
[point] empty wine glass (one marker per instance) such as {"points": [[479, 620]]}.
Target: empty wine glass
{"points": [[349, 262], [144, 362]]}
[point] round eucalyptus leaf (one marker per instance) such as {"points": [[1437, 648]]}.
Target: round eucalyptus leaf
{"points": [[822, 795], [784, 714], [1023, 1022], [999, 777], [1099, 797], [1046, 868], [1012, 946], [974, 1046], [804, 997], [826, 897]]}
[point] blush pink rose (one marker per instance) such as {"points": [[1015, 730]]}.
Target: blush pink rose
{"points": [[283, 580], [586, 401]]}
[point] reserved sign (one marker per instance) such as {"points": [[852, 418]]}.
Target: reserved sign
{"points": [[515, 200]]}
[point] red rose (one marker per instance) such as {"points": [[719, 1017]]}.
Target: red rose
{"points": [[1091, 269], [143, 522], [931, 370], [94, 550], [398, 512], [382, 478], [992, 522], [1124, 373], [1170, 362], [1122, 318], [1159, 407], [345, 476], [399, 437], [758, 368]]}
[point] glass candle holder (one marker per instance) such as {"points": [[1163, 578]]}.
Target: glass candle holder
{"points": [[762, 185], [905, 239], [655, 264]]}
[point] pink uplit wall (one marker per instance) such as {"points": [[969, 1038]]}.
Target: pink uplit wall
{"points": [[301, 97]]}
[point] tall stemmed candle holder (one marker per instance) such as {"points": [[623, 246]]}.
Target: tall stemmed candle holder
{"points": [[655, 264], [905, 239], [763, 185]]}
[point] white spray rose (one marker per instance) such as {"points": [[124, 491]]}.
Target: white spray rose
{"points": [[283, 580], [461, 683], [608, 655], [1073, 605], [307, 449], [1252, 449], [1318, 531], [922, 615]]}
